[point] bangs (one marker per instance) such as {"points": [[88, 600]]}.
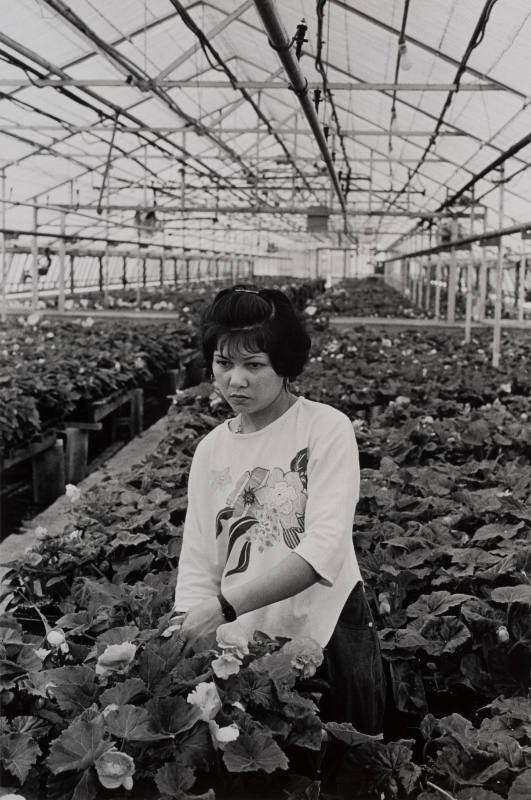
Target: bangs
{"points": [[237, 342]]}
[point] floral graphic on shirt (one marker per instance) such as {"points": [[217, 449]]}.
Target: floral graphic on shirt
{"points": [[265, 507]]}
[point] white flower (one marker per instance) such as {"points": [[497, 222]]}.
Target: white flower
{"points": [[506, 387], [306, 655], [205, 696], [386, 342], [72, 492], [231, 636], [226, 665], [139, 363], [401, 400], [310, 310], [116, 658], [56, 637], [117, 366], [222, 736], [87, 323], [33, 319], [115, 769], [75, 535]]}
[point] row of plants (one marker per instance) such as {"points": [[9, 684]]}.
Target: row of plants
{"points": [[99, 702], [182, 296], [51, 368], [366, 297]]}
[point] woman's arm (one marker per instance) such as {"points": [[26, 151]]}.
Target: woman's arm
{"points": [[291, 576]]}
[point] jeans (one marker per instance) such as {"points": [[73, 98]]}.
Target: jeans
{"points": [[353, 668]]}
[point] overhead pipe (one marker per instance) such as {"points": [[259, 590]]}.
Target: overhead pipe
{"points": [[456, 243], [281, 43]]}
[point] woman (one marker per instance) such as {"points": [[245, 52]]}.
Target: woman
{"points": [[271, 501]]}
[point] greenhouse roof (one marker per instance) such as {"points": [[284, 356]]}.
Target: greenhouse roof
{"points": [[110, 111]]}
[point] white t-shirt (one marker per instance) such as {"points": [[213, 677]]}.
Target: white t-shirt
{"points": [[254, 497]]}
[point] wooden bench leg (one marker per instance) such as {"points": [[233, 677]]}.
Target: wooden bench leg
{"points": [[76, 456], [48, 474], [137, 412], [175, 380]]}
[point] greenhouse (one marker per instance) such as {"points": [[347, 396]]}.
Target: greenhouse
{"points": [[229, 229]]}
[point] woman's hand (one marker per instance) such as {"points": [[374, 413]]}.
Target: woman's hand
{"points": [[199, 626]]}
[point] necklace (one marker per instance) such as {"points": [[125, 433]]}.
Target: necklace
{"points": [[239, 426]]}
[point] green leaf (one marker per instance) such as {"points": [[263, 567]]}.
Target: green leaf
{"points": [[254, 751], [72, 687], [74, 786], [122, 693], [512, 594], [125, 633], [346, 732], [306, 732], [521, 787], [18, 753], [496, 531], [173, 780], [436, 603], [78, 747], [131, 724], [194, 748], [172, 715], [252, 687], [444, 634]]}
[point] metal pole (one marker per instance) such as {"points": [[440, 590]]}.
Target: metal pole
{"points": [[499, 280], [438, 278], [482, 299], [469, 276], [62, 263], [281, 42], [35, 263], [3, 277], [521, 286], [452, 277]]}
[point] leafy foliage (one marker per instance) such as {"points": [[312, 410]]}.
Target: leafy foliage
{"points": [[442, 536]]}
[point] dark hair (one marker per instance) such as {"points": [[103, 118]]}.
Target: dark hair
{"points": [[244, 317]]}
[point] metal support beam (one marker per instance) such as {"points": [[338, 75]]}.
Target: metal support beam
{"points": [[3, 264], [477, 238], [498, 301], [280, 41], [355, 211], [186, 83], [184, 57]]}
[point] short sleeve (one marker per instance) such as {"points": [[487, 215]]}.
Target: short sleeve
{"points": [[199, 575], [333, 492]]}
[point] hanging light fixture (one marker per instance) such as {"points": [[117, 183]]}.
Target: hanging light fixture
{"points": [[405, 63]]}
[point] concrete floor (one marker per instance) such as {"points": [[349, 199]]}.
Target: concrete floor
{"points": [[56, 516]]}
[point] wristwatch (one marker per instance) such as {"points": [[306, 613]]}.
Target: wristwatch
{"points": [[226, 609]]}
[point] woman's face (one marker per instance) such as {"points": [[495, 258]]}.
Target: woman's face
{"points": [[246, 380]]}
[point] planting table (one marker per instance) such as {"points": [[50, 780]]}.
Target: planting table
{"points": [[47, 466], [76, 431]]}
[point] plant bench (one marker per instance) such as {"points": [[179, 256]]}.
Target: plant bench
{"points": [[76, 431], [47, 466]]}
